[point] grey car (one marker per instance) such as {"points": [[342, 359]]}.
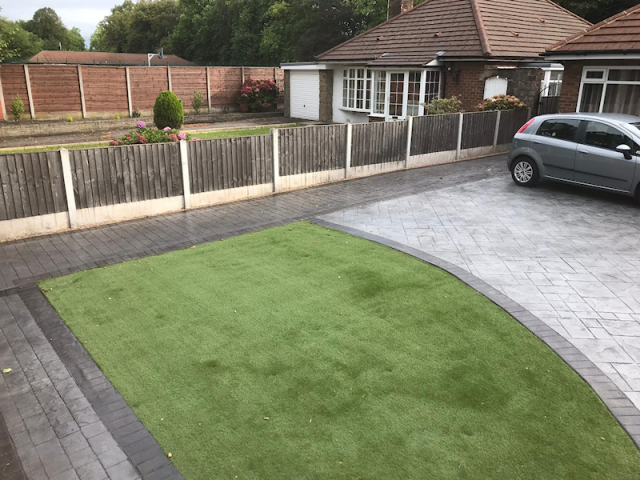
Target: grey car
{"points": [[594, 150]]}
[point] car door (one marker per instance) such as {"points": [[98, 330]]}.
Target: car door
{"points": [[555, 142], [597, 161]]}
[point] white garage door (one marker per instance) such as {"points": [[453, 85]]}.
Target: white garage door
{"points": [[495, 86], [305, 94]]}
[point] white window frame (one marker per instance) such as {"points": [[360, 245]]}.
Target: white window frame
{"points": [[604, 81], [353, 94], [546, 82]]}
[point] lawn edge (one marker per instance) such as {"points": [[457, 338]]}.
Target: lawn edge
{"points": [[622, 409]]}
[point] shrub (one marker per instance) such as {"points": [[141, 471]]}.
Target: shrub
{"points": [[17, 108], [168, 111], [117, 116], [197, 101], [501, 102], [69, 118], [144, 134], [136, 113], [258, 96], [441, 106]]}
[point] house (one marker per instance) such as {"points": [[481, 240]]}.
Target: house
{"points": [[105, 58], [472, 49], [602, 66]]}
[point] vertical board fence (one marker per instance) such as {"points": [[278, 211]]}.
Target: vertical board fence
{"points": [[375, 143], [478, 129], [133, 173], [510, 123], [225, 163], [435, 133], [31, 185], [312, 149]]}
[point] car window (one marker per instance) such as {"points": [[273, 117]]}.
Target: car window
{"points": [[604, 136], [559, 129]]}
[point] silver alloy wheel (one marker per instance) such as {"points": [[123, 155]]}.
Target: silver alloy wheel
{"points": [[523, 172]]}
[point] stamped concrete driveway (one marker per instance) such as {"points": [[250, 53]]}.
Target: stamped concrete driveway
{"points": [[570, 256]]}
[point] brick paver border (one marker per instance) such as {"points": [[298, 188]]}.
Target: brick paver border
{"points": [[615, 400], [131, 435]]}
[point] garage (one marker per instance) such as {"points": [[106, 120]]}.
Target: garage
{"points": [[304, 91]]}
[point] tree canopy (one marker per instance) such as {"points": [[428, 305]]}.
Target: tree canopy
{"points": [[16, 43], [47, 25]]}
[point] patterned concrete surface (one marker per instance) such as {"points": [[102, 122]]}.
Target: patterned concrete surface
{"points": [[569, 256]]}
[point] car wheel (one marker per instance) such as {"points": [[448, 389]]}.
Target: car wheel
{"points": [[525, 172]]}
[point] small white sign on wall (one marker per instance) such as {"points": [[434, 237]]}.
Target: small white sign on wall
{"points": [[495, 86]]}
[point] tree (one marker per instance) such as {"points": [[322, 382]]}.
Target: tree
{"points": [[75, 41], [47, 25], [16, 43], [596, 10]]}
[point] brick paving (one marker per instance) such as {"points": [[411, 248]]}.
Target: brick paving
{"points": [[60, 417], [570, 257]]}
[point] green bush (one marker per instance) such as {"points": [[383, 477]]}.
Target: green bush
{"points": [[136, 113], [168, 111], [501, 102], [17, 108], [441, 106], [143, 134], [258, 96], [197, 101]]}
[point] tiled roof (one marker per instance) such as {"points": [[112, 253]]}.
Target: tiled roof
{"points": [[516, 29], [616, 34], [104, 58]]}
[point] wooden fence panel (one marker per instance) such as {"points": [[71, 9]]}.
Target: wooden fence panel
{"points": [[510, 123], [434, 133], [30, 185], [374, 143], [478, 129], [312, 149], [224, 163], [132, 173]]}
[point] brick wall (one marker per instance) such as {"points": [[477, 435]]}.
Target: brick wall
{"points": [[287, 97], [326, 96], [56, 88]]}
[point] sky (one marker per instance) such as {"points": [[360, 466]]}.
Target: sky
{"points": [[84, 14]]}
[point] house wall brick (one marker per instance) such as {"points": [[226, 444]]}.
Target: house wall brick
{"points": [[326, 96], [287, 95]]}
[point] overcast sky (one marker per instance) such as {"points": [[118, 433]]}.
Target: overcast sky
{"points": [[84, 14]]}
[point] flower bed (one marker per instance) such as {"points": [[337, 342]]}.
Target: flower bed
{"points": [[144, 134], [501, 102], [258, 96]]}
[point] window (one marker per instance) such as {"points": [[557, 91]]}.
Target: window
{"points": [[559, 129], [396, 94], [610, 90], [432, 86], [413, 95], [603, 136], [356, 89], [381, 92]]}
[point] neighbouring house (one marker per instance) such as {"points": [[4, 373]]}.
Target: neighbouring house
{"points": [[602, 66], [472, 49], [105, 58]]}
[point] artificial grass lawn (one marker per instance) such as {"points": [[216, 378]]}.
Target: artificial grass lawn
{"points": [[368, 364]]}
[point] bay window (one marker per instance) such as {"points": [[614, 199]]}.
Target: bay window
{"points": [[356, 89], [610, 90]]}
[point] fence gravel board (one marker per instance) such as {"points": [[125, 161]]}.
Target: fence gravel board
{"points": [[312, 149], [510, 123], [133, 173], [434, 133], [381, 142], [224, 163], [30, 185], [478, 129]]}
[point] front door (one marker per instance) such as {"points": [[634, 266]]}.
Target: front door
{"points": [[396, 96], [555, 142], [598, 162]]}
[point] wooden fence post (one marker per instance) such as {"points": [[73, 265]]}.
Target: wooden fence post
{"points": [[459, 146], [30, 97], [347, 163], [497, 132], [68, 187], [409, 135], [242, 73], [82, 104], [276, 160], [4, 107], [208, 90], [129, 91], [169, 77], [186, 184]]}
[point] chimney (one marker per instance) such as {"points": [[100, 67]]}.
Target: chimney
{"points": [[396, 7]]}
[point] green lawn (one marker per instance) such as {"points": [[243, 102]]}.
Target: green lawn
{"points": [[368, 364]]}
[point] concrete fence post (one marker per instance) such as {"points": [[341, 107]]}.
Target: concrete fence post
{"points": [[68, 187], [276, 160], [169, 77], [347, 162], [82, 104], [186, 184], [129, 99], [409, 135], [459, 146], [27, 80], [208, 90], [242, 74], [497, 131]]}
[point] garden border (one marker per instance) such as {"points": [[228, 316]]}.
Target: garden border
{"points": [[627, 415]]}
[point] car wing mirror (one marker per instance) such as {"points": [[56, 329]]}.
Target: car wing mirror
{"points": [[625, 150]]}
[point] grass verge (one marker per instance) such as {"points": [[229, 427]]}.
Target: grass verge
{"points": [[302, 352]]}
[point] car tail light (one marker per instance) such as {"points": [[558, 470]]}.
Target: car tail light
{"points": [[526, 125]]}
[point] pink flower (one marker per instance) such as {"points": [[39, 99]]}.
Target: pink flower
{"points": [[141, 124], [182, 136], [194, 138], [142, 139], [166, 129], [114, 143], [128, 137]]}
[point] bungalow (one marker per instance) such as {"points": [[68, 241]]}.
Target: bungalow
{"points": [[472, 49], [602, 66]]}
